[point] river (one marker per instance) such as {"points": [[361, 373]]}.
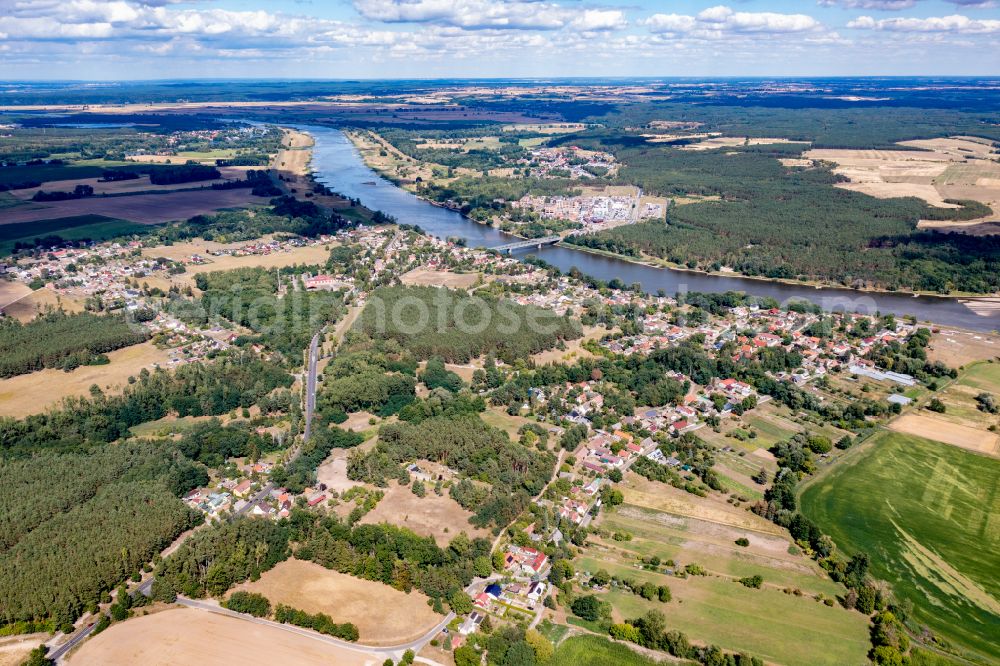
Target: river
{"points": [[337, 164]]}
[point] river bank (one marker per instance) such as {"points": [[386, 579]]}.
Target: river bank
{"points": [[361, 143], [339, 165]]}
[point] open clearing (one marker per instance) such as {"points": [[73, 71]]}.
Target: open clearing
{"points": [[189, 636], [383, 615], [574, 348], [952, 168], [942, 430], [435, 516], [596, 651], [141, 208], [436, 278], [956, 348], [26, 307], [928, 515], [713, 509], [36, 392]]}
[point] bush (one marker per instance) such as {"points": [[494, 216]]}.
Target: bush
{"points": [[589, 607], [754, 582], [248, 602]]}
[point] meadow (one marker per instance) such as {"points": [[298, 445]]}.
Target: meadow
{"points": [[926, 513], [596, 651], [775, 623]]}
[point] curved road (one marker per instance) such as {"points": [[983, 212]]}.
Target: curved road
{"points": [[393, 652]]}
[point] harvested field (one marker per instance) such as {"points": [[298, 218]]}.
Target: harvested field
{"points": [[436, 278], [956, 348], [734, 141], [436, 516], [953, 168], [182, 252], [883, 190], [186, 635], [14, 650], [25, 309], [11, 291], [141, 208], [383, 615], [36, 392], [941, 430]]}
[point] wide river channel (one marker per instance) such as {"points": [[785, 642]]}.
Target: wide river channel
{"points": [[337, 164]]}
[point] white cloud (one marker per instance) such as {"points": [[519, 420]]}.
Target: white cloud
{"points": [[718, 21], [599, 19], [943, 24], [882, 5], [898, 5], [485, 14]]}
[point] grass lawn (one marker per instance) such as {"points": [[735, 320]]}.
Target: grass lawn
{"points": [[596, 651], [927, 514], [80, 227]]}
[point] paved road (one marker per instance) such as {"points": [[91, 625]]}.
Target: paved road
{"points": [[310, 406], [311, 384], [57, 654], [393, 652]]}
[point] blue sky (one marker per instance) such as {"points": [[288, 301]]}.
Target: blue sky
{"points": [[145, 39]]}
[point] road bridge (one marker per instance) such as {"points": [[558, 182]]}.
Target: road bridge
{"points": [[530, 242]]}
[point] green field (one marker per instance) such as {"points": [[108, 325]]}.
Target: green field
{"points": [[929, 516], [595, 651], [79, 227], [781, 628]]}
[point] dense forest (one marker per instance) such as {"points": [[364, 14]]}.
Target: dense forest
{"points": [[791, 223], [431, 322], [66, 543], [32, 497], [869, 127], [62, 340], [196, 389]]}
